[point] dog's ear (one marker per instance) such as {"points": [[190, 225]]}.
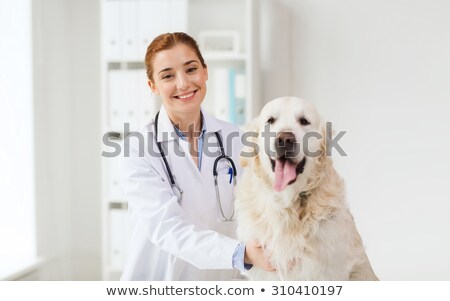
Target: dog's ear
{"points": [[250, 147]]}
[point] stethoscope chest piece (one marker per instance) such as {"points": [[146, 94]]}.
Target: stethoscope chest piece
{"points": [[178, 192]]}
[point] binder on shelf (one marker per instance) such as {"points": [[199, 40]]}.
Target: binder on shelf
{"points": [[130, 26], [152, 20], [114, 187], [115, 96], [178, 15], [129, 30], [119, 232], [229, 87], [130, 99], [239, 90], [232, 95], [145, 104], [222, 93], [112, 30]]}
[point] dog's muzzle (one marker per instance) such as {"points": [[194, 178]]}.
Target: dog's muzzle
{"points": [[286, 166], [286, 146]]}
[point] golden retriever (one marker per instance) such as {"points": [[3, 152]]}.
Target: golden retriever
{"points": [[292, 201]]}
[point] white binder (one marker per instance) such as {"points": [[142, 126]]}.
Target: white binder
{"points": [[115, 96], [129, 37], [112, 30], [152, 21], [178, 15], [114, 188], [131, 109], [145, 103], [119, 233], [221, 94]]}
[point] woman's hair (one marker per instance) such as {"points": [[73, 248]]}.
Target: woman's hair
{"points": [[167, 41]]}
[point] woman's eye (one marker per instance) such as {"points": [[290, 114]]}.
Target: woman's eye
{"points": [[167, 76], [192, 69]]}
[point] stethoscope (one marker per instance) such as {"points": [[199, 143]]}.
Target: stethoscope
{"points": [[179, 192]]}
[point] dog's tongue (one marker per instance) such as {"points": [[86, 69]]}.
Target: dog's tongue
{"points": [[284, 174]]}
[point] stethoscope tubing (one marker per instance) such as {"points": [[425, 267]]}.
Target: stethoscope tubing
{"points": [[222, 156]]}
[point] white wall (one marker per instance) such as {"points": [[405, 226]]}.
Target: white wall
{"points": [[380, 70], [67, 130]]}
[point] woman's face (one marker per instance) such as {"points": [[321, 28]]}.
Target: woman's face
{"points": [[180, 79]]}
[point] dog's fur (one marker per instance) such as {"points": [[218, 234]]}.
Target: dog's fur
{"points": [[306, 228]]}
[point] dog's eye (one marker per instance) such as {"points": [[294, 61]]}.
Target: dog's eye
{"points": [[304, 121], [270, 120]]}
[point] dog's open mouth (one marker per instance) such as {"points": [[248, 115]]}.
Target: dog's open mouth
{"points": [[286, 171]]}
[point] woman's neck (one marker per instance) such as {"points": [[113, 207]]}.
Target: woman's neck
{"points": [[189, 125]]}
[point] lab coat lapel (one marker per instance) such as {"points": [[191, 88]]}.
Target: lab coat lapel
{"points": [[166, 132], [176, 149], [170, 141], [166, 126]]}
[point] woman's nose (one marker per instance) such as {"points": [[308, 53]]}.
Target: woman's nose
{"points": [[182, 82]]}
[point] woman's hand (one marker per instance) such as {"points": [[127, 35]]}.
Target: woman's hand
{"points": [[254, 254]]}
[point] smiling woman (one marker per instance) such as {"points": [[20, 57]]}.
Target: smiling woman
{"points": [[179, 76]]}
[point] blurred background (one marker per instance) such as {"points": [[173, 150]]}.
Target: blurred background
{"points": [[71, 72]]}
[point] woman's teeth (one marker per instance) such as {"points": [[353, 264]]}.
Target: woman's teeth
{"points": [[186, 96]]}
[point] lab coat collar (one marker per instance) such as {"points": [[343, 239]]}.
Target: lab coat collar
{"points": [[166, 131]]}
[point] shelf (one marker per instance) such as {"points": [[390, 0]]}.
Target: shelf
{"points": [[118, 64], [117, 204], [224, 56]]}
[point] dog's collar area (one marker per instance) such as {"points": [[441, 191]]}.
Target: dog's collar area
{"points": [[303, 194], [303, 197]]}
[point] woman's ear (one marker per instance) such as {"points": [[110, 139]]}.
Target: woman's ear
{"points": [[153, 87]]}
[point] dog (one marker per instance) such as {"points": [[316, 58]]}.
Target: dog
{"points": [[292, 201]]}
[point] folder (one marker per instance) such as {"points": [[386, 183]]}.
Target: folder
{"points": [[129, 36], [115, 96], [113, 176], [112, 22], [178, 16], [152, 18], [240, 95], [119, 233], [222, 93], [232, 95]]}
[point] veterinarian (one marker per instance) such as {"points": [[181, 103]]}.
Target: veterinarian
{"points": [[183, 223]]}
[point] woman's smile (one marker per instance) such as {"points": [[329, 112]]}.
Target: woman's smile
{"points": [[186, 96]]}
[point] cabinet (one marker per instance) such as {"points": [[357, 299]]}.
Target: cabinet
{"points": [[225, 31]]}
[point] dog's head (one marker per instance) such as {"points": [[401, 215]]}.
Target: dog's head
{"points": [[290, 141]]}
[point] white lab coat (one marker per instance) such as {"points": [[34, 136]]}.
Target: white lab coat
{"points": [[171, 240]]}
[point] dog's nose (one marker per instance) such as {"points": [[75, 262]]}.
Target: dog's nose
{"points": [[285, 144]]}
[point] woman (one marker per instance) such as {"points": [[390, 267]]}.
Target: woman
{"points": [[182, 236]]}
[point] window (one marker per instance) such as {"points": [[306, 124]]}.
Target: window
{"points": [[17, 214]]}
